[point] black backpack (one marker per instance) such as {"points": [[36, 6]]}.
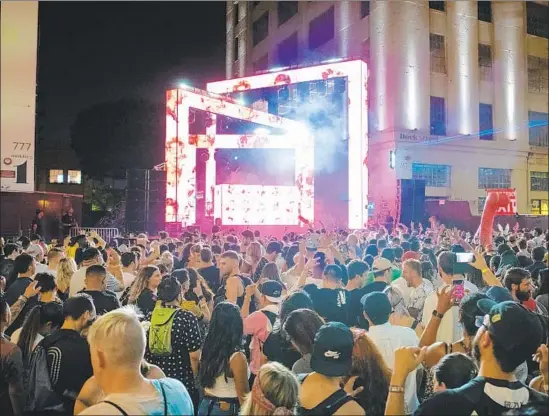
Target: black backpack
{"points": [[40, 393]]}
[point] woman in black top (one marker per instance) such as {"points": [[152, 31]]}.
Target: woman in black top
{"points": [[143, 290], [277, 347]]}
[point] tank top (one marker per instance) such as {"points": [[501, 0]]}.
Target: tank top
{"points": [[222, 388]]}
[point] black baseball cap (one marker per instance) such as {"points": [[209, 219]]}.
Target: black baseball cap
{"points": [[333, 350], [377, 306], [274, 247], [272, 290], [513, 327]]}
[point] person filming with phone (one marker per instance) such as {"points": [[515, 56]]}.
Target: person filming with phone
{"points": [[451, 269]]}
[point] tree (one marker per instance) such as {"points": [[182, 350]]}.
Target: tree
{"points": [[118, 135]]}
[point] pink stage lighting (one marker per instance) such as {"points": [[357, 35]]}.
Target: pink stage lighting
{"points": [[261, 205]]}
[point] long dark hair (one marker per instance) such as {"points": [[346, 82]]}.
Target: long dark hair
{"points": [[195, 281], [38, 316], [223, 340]]}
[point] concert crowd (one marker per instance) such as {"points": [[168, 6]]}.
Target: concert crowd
{"points": [[417, 320]]}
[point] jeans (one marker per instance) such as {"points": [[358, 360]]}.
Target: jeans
{"points": [[211, 407]]}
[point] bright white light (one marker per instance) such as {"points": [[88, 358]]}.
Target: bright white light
{"points": [[392, 159], [332, 60], [280, 68], [184, 86], [261, 132], [235, 158]]}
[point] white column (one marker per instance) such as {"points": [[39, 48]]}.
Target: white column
{"points": [[463, 72], [241, 30], [510, 70], [343, 11], [399, 42]]}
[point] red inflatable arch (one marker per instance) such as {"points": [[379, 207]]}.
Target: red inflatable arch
{"points": [[494, 201]]}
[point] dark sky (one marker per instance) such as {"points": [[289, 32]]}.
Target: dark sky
{"points": [[94, 52]]}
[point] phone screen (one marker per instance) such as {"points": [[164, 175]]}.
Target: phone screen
{"points": [[459, 290], [465, 257]]}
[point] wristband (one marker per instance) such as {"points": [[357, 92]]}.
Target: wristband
{"points": [[23, 298], [438, 315], [396, 389], [485, 270]]}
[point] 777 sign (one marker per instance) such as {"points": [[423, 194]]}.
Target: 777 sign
{"points": [[234, 204]]}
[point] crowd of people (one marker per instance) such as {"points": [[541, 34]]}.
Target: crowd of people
{"points": [[416, 321]]}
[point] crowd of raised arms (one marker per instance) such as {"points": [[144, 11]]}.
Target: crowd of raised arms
{"points": [[369, 322]]}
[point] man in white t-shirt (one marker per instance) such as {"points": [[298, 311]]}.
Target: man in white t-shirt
{"points": [[387, 338], [450, 329]]}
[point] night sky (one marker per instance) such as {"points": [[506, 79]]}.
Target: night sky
{"points": [[94, 52]]}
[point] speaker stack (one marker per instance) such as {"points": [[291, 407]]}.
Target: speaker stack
{"points": [[145, 201], [412, 201]]}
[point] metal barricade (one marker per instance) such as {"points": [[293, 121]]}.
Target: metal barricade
{"points": [[106, 234]]}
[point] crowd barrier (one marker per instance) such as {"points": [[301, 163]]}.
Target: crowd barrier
{"points": [[106, 234]]}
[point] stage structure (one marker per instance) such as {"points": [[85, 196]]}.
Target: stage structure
{"points": [[315, 113]]}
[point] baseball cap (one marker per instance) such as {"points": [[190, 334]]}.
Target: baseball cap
{"points": [[272, 290], [410, 255], [34, 250], [312, 242], [377, 306], [381, 264], [333, 350], [247, 234], [274, 247], [513, 327], [499, 294]]}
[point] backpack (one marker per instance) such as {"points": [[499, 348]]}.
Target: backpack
{"points": [[160, 331], [40, 393]]}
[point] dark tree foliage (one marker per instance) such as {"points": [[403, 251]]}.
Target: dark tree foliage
{"points": [[118, 135]]}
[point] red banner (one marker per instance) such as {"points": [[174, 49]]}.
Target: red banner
{"points": [[511, 207]]}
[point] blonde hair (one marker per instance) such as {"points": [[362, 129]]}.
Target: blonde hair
{"points": [[141, 282], [65, 269], [255, 251], [270, 272], [166, 259], [120, 327], [278, 384]]}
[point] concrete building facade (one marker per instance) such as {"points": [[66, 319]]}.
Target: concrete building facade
{"points": [[458, 90]]}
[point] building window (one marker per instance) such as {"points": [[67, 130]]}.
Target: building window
{"points": [[364, 9], [538, 130], [539, 207], [433, 175], [321, 29], [287, 51], [485, 11], [236, 9], [438, 116], [486, 125], [260, 28], [539, 181], [57, 176], [236, 49], [538, 74], [485, 61], [481, 203], [286, 10], [437, 5], [489, 178], [438, 53], [261, 64], [74, 176], [537, 19]]}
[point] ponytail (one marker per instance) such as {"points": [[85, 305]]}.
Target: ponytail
{"points": [[29, 331]]}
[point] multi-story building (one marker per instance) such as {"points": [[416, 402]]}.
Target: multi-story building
{"points": [[458, 90]]}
